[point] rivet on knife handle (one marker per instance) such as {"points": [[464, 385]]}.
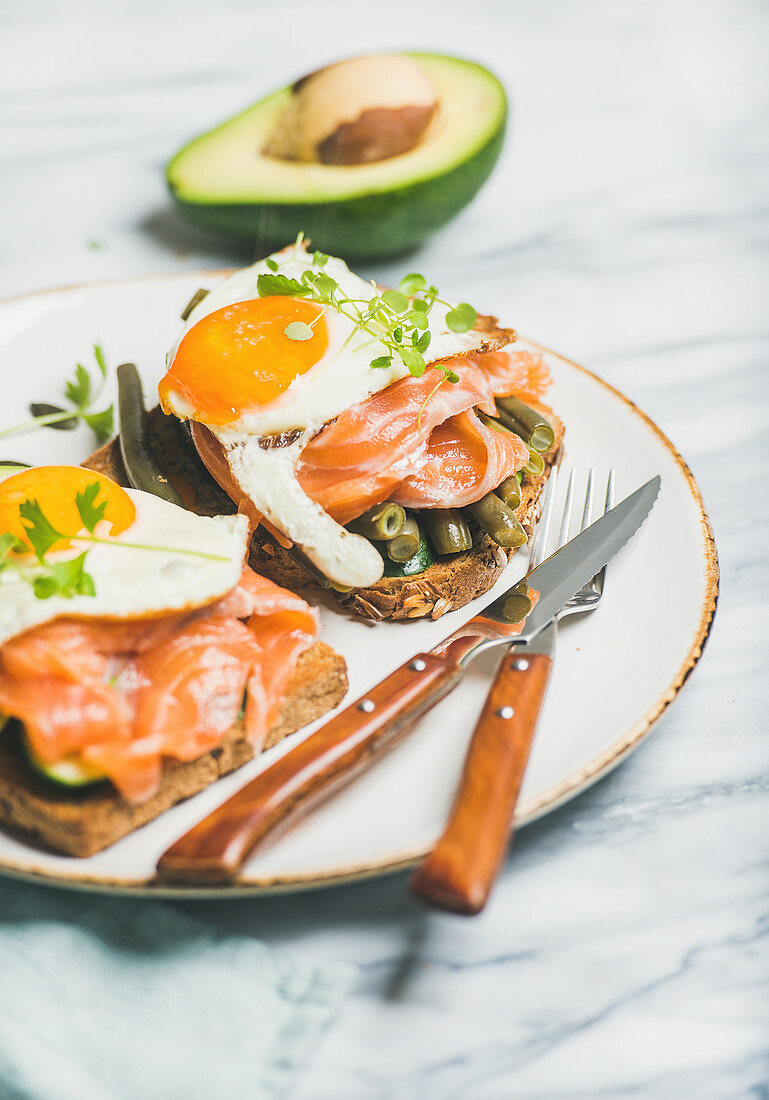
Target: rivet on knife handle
{"points": [[459, 873], [215, 849]]}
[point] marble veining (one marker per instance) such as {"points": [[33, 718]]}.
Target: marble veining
{"points": [[625, 952]]}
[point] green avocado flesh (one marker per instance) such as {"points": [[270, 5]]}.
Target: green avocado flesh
{"points": [[223, 182]]}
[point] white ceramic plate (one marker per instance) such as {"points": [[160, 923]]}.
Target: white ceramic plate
{"points": [[616, 670]]}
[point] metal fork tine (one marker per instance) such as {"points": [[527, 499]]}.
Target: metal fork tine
{"points": [[600, 577], [542, 530], [563, 534], [609, 492], [588, 508]]}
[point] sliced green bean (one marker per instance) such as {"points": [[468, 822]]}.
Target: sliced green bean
{"points": [[532, 426], [517, 604], [405, 544], [380, 523], [447, 530], [195, 300], [494, 422], [135, 447], [497, 520], [536, 464], [510, 491]]}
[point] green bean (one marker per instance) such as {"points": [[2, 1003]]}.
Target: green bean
{"points": [[497, 520], [447, 529], [195, 300], [494, 422], [135, 447], [510, 492], [517, 604], [405, 544], [380, 523], [531, 425], [536, 464]]}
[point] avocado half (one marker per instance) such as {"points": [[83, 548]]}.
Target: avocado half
{"points": [[223, 182]]}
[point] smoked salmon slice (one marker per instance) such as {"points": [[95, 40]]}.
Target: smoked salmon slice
{"points": [[522, 373], [121, 696], [374, 448], [465, 460]]}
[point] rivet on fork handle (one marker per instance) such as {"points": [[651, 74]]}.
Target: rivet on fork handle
{"points": [[459, 873]]}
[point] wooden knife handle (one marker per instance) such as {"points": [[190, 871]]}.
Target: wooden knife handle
{"points": [[216, 848], [460, 872]]}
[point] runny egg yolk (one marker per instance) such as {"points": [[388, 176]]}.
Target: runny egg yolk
{"points": [[56, 490], [240, 358]]}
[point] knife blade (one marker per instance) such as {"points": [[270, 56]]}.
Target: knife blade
{"points": [[558, 577]]}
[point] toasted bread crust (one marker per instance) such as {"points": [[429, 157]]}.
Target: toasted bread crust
{"points": [[82, 823]]}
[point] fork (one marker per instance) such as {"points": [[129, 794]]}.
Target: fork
{"points": [[589, 596], [460, 871]]}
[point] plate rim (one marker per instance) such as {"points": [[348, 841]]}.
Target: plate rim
{"points": [[531, 810]]}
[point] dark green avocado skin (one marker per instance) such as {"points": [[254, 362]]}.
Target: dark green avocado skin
{"points": [[366, 227]]}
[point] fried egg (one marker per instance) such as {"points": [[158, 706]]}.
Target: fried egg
{"points": [[192, 561], [236, 371]]}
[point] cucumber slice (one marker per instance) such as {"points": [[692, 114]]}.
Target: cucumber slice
{"points": [[422, 560], [68, 772]]}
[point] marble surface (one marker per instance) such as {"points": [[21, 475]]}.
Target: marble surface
{"points": [[625, 951]]}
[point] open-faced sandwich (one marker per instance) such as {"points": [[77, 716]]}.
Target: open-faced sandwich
{"points": [[386, 444], [139, 658]]}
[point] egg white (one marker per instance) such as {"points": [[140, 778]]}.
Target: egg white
{"points": [[343, 377], [136, 584]]}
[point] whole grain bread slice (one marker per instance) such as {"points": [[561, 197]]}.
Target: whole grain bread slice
{"points": [[80, 823]]}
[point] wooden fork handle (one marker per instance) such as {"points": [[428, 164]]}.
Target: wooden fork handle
{"points": [[216, 848], [459, 873]]}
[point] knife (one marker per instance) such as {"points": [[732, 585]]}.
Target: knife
{"points": [[215, 849]]}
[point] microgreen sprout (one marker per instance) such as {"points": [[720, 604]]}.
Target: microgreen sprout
{"points": [[82, 393], [298, 330], [398, 319]]}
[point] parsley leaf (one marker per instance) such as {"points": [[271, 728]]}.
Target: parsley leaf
{"points": [[280, 284], [9, 544], [65, 578], [41, 533], [102, 424], [78, 391], [101, 362], [90, 511]]}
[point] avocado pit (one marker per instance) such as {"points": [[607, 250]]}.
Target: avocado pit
{"points": [[359, 111]]}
